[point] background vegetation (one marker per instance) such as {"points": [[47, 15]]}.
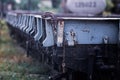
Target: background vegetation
{"points": [[14, 65]]}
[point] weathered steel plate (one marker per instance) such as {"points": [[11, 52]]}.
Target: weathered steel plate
{"points": [[92, 32]]}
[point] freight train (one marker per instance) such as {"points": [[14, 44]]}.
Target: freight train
{"points": [[77, 46], [85, 44]]}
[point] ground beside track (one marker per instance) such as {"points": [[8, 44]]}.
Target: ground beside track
{"points": [[14, 65]]}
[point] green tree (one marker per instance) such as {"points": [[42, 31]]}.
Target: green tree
{"points": [[110, 5], [29, 4], [55, 3], [4, 6], [7, 1]]}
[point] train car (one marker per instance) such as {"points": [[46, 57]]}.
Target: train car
{"points": [[87, 44], [73, 45], [78, 46]]}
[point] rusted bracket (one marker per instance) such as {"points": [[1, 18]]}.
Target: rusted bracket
{"points": [[60, 33], [52, 18]]}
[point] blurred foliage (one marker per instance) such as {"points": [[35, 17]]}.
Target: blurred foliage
{"points": [[110, 5], [55, 3], [14, 65], [33, 4], [7, 1], [29, 4], [4, 5], [48, 9]]}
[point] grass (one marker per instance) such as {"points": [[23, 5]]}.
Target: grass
{"points": [[14, 65]]}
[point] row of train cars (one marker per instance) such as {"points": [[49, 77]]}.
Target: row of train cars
{"points": [[78, 48]]}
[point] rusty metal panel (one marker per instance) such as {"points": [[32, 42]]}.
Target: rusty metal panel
{"points": [[60, 33]]}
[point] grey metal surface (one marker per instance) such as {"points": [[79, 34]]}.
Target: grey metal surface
{"points": [[91, 32], [39, 30]]}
